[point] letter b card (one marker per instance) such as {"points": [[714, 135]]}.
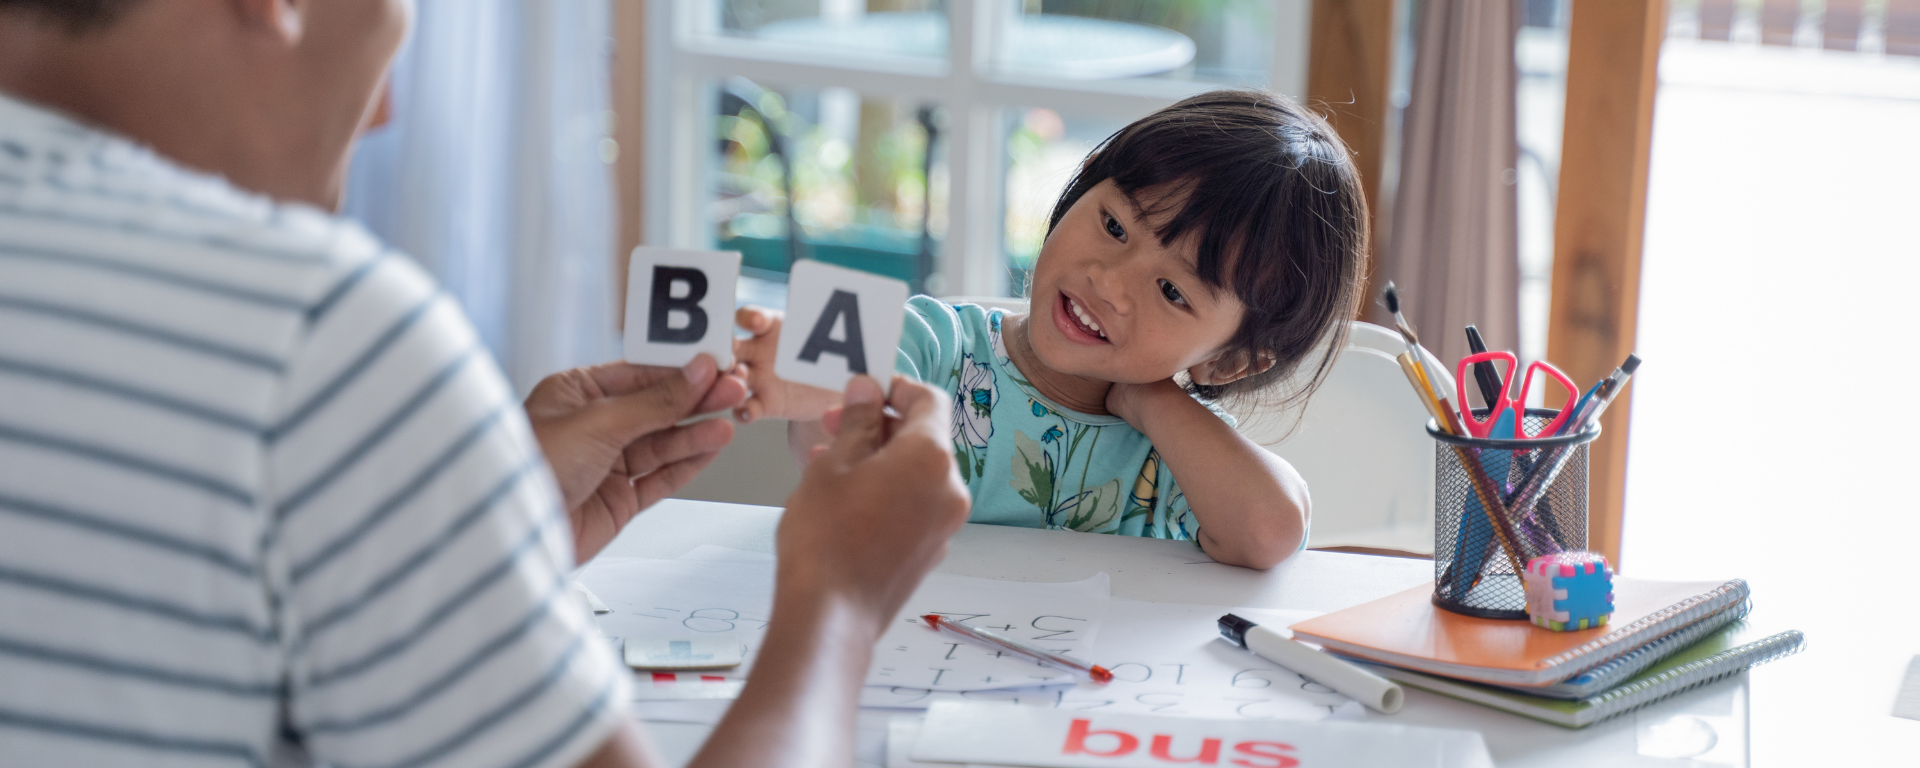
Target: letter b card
{"points": [[840, 322], [679, 304]]}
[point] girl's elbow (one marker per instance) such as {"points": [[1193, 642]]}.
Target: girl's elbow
{"points": [[1259, 547]]}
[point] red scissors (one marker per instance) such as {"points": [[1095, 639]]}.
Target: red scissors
{"points": [[1514, 408]]}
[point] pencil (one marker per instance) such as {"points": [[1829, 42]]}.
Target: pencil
{"points": [[1483, 487]]}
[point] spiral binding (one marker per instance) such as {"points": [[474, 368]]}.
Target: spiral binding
{"points": [[1694, 674], [1657, 624]]}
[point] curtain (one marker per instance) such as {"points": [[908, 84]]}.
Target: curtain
{"points": [[490, 173], [1451, 242]]}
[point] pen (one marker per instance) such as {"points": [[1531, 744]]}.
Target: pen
{"points": [[1000, 642], [1343, 676], [1595, 402], [1483, 372]]}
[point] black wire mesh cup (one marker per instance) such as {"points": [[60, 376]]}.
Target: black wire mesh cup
{"points": [[1496, 497]]}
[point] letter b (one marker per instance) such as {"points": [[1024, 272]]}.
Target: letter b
{"points": [[1077, 735], [659, 317]]}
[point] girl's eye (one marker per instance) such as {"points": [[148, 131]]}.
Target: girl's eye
{"points": [[1113, 228], [1172, 293]]}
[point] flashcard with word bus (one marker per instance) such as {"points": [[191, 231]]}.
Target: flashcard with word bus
{"points": [[679, 304], [840, 322]]}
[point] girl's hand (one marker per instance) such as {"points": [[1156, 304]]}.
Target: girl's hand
{"points": [[1134, 401], [772, 397]]}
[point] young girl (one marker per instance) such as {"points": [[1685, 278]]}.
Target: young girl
{"points": [[1223, 237]]}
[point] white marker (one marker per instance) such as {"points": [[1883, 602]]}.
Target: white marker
{"points": [[1358, 684]]}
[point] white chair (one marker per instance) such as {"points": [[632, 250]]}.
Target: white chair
{"points": [[1360, 445], [1362, 449]]}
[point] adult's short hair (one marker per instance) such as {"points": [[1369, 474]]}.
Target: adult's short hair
{"points": [[77, 16]]}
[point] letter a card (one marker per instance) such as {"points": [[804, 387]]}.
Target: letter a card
{"points": [[840, 322], [679, 304]]}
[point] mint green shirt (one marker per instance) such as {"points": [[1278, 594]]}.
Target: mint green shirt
{"points": [[1027, 461]]}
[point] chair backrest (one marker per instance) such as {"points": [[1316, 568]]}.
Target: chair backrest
{"points": [[1359, 443]]}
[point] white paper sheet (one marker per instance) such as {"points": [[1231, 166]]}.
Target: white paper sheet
{"points": [[1167, 659], [653, 600], [678, 600], [714, 553], [995, 734], [1064, 618]]}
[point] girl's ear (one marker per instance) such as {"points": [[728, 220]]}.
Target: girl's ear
{"points": [[1229, 368]]}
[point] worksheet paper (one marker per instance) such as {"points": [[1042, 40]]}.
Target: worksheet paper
{"points": [[997, 734], [1063, 618], [1167, 659], [653, 600]]}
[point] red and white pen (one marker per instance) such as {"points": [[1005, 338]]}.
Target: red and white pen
{"points": [[1092, 672]]}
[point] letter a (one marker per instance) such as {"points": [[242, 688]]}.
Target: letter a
{"points": [[1077, 740], [659, 328], [841, 305]]}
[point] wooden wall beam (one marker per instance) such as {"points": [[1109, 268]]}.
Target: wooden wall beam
{"points": [[1613, 50], [1349, 78], [629, 84]]}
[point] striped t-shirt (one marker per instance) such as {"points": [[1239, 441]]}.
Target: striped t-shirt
{"points": [[264, 498]]}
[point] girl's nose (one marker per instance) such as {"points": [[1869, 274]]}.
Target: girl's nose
{"points": [[1109, 286]]}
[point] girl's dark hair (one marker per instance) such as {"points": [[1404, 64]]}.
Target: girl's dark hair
{"points": [[1267, 192], [77, 16]]}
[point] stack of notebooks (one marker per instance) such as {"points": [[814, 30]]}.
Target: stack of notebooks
{"points": [[1663, 638]]}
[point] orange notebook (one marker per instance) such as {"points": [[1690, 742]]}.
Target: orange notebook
{"points": [[1407, 630]]}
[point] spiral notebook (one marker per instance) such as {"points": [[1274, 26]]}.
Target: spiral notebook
{"points": [[1406, 630], [1620, 670], [1729, 651]]}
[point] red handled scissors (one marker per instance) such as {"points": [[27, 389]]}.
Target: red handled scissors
{"points": [[1513, 408]]}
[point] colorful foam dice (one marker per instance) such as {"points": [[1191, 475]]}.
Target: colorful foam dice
{"points": [[1569, 590]]}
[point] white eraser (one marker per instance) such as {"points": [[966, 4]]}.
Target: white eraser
{"points": [[651, 653], [679, 304], [840, 322]]}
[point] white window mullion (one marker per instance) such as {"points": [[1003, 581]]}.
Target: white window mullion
{"points": [[972, 261], [1292, 36]]}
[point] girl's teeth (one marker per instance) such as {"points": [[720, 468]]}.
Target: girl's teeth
{"points": [[1085, 319]]}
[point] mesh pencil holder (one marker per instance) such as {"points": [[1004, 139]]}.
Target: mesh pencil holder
{"points": [[1538, 494]]}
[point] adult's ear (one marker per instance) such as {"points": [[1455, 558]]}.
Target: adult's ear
{"points": [[1230, 367], [284, 19]]}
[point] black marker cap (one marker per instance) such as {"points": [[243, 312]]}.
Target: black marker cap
{"points": [[1235, 628], [1632, 364]]}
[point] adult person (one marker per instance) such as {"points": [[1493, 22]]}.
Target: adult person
{"points": [[264, 500]]}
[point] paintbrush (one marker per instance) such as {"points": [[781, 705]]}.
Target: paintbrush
{"points": [[1392, 297]]}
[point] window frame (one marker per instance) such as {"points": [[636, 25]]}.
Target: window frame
{"points": [[685, 52]]}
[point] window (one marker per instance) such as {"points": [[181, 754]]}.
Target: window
{"points": [[922, 139]]}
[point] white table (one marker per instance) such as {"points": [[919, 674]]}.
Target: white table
{"points": [[1707, 727]]}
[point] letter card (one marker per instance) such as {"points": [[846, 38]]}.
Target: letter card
{"points": [[840, 322], [1004, 734], [679, 304]]}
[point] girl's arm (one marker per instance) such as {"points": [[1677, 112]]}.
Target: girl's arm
{"points": [[1251, 504]]}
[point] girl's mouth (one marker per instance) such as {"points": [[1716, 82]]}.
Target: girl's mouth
{"points": [[1076, 322]]}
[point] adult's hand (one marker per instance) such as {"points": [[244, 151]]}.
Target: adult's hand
{"points": [[608, 432], [875, 507], [872, 516]]}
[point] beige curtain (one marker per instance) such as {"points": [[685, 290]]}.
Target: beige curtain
{"points": [[1450, 244]]}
